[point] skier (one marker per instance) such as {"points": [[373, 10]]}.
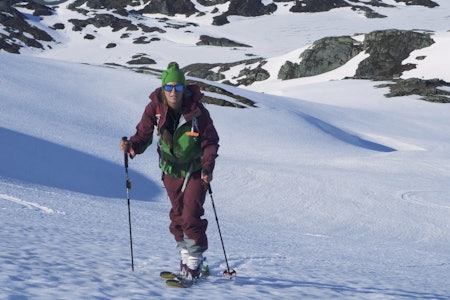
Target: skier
{"points": [[187, 148]]}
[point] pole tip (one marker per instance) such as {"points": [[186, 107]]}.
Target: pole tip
{"points": [[230, 274]]}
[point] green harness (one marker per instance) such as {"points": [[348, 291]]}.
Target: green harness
{"points": [[184, 157]]}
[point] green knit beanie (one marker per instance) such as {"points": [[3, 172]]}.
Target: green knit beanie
{"points": [[173, 74]]}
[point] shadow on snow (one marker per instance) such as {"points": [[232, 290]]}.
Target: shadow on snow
{"points": [[339, 291], [346, 137], [37, 161]]}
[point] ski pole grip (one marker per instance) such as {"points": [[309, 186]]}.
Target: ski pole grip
{"points": [[209, 189], [125, 154]]}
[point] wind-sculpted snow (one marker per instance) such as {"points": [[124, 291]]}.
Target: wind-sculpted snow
{"points": [[347, 137]]}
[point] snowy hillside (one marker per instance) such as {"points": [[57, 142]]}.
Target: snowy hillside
{"points": [[315, 200], [276, 37], [327, 189]]}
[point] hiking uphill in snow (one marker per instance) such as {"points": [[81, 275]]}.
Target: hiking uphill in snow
{"points": [[187, 148], [379, 228]]}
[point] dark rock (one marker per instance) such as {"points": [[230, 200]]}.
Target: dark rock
{"points": [[426, 3], [245, 102], [317, 5], [211, 2], [201, 70], [169, 8], [58, 26], [104, 20], [102, 4], [142, 40], [221, 42], [387, 50], [428, 89], [323, 56], [246, 8], [249, 76], [19, 30], [375, 3], [289, 70], [250, 8], [220, 20], [148, 29], [246, 77], [368, 12], [40, 10], [141, 60]]}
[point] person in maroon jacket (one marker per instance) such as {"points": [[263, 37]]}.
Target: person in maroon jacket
{"points": [[187, 148]]}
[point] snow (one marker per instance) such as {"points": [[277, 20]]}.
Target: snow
{"points": [[326, 190]]}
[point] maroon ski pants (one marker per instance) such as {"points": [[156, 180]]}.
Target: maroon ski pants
{"points": [[187, 209]]}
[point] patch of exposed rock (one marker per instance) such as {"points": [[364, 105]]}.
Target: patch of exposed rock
{"points": [[323, 56], [220, 42], [430, 89], [246, 8], [20, 31], [318, 5], [251, 71], [387, 50]]}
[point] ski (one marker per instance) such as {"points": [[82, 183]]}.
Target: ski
{"points": [[178, 281], [175, 283], [169, 275]]}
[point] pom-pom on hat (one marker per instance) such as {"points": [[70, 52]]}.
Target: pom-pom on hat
{"points": [[173, 74]]}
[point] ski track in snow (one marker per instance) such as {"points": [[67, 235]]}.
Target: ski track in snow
{"points": [[29, 204], [433, 199]]}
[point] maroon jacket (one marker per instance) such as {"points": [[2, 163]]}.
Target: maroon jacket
{"points": [[192, 107]]}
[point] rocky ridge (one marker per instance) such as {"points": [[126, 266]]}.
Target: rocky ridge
{"points": [[387, 48]]}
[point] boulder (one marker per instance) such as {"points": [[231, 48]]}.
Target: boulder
{"points": [[317, 5], [220, 42], [387, 50], [323, 56], [427, 88], [169, 8]]}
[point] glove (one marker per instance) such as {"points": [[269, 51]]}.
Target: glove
{"points": [[206, 176], [127, 147]]}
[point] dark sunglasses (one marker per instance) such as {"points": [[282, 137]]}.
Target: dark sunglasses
{"points": [[178, 87]]}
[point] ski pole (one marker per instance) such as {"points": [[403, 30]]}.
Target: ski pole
{"points": [[128, 186], [227, 273]]}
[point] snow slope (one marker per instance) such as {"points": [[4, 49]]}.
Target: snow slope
{"points": [[326, 190], [334, 201]]}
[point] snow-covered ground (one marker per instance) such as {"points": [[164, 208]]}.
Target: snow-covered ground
{"points": [[326, 190]]}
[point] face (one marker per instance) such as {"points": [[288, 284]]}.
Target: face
{"points": [[174, 98]]}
